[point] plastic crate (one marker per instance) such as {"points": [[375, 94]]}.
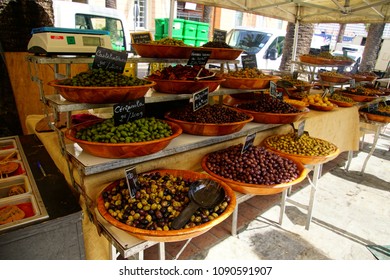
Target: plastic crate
{"points": [[190, 41], [190, 28], [202, 31], [199, 43], [177, 27], [160, 25]]}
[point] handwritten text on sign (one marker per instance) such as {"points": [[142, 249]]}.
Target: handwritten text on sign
{"points": [[109, 60], [130, 111], [201, 98]]}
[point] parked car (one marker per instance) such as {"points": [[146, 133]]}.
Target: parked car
{"points": [[265, 44]]}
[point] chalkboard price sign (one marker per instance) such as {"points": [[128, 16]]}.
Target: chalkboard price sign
{"points": [[109, 60], [372, 107], [141, 37], [199, 57], [250, 138], [249, 61], [352, 83], [201, 98], [130, 111], [219, 35], [274, 91], [301, 128], [131, 180]]}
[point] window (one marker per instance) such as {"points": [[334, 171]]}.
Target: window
{"points": [[114, 26], [250, 41], [278, 43], [140, 14]]}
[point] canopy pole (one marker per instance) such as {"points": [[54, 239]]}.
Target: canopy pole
{"points": [[171, 16]]}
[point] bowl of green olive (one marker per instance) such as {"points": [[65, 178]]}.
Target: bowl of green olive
{"points": [[99, 86], [102, 138], [160, 198]]}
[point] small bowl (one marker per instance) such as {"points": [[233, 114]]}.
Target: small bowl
{"points": [[121, 150], [248, 83], [184, 86], [101, 95], [256, 188], [210, 129], [172, 235]]}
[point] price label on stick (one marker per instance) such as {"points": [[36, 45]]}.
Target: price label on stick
{"points": [[141, 37], [200, 98], [109, 60], [199, 57], [352, 83], [131, 180], [274, 91], [301, 128], [130, 111], [249, 61], [219, 35], [250, 138]]}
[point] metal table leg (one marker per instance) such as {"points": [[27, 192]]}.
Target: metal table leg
{"points": [[376, 137]]}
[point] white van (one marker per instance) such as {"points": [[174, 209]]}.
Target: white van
{"points": [[84, 16], [266, 44]]}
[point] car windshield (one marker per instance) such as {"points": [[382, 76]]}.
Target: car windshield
{"points": [[250, 41]]}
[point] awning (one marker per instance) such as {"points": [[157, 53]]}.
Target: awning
{"points": [[311, 11]]}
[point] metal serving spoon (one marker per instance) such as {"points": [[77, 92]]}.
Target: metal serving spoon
{"points": [[203, 193]]}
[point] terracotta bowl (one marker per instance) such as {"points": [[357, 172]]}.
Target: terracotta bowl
{"points": [[184, 86], [302, 158], [163, 51], [316, 60], [342, 103], [209, 129], [272, 118], [343, 62], [121, 150], [360, 98], [249, 83], [172, 235], [322, 108], [376, 117], [100, 95], [255, 188], [334, 79], [223, 53]]}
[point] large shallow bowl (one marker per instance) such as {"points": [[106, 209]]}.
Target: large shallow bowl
{"points": [[184, 86], [360, 98], [172, 235], [163, 51], [316, 60], [306, 160], [273, 118], [343, 62], [334, 79], [223, 53], [376, 117], [209, 129], [256, 188], [101, 95], [121, 150], [249, 83], [322, 108], [342, 103]]}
